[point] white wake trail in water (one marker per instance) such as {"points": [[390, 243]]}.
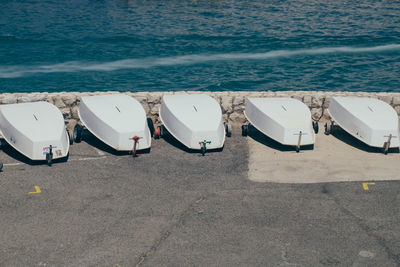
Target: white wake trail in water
{"points": [[77, 66]]}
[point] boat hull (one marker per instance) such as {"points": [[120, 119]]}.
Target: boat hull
{"points": [[192, 119], [115, 120], [368, 119], [281, 119], [30, 128]]}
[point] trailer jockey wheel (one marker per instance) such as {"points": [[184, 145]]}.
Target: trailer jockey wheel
{"points": [[3, 143], [78, 130], [151, 126], [315, 126], [245, 130], [203, 147], [228, 130], [49, 156], [203, 150], [328, 128], [71, 140]]}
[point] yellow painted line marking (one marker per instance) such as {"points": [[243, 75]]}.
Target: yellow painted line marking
{"points": [[37, 188], [365, 185]]}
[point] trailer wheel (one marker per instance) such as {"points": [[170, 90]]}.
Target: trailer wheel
{"points": [[245, 130], [78, 130], [151, 126], [71, 140], [328, 128], [1, 166], [49, 159], [3, 143], [203, 149], [315, 126], [228, 130]]}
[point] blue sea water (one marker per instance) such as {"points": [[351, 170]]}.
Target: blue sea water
{"points": [[123, 45]]}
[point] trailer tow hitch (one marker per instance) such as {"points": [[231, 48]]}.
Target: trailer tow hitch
{"points": [[135, 144], [203, 147]]}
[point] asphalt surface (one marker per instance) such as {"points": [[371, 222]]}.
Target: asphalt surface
{"points": [[174, 208]]}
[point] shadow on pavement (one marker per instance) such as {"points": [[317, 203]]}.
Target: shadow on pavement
{"points": [[174, 142], [13, 153], [261, 138], [350, 140], [92, 140]]}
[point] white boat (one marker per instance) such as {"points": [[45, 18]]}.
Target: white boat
{"points": [[36, 130], [285, 120], [117, 120], [370, 120], [194, 120]]}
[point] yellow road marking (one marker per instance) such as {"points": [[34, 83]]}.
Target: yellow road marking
{"points": [[37, 188], [365, 185]]}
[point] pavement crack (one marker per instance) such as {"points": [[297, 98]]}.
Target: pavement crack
{"points": [[285, 260], [180, 220], [380, 240]]}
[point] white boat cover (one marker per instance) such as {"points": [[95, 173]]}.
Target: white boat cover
{"points": [[31, 128], [368, 119], [192, 119], [281, 119], [115, 120]]}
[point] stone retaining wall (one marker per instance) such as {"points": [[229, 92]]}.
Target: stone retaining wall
{"points": [[232, 102]]}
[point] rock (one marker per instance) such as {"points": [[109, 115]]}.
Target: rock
{"points": [[66, 112], [298, 97], [317, 101], [238, 109], [34, 97], [386, 98], [316, 113], [225, 117], [68, 99], [307, 100], [397, 108], [146, 108], [396, 101], [74, 112], [141, 99], [326, 102], [216, 97], [226, 104], [58, 102], [238, 100], [49, 99], [237, 118], [155, 109], [154, 98], [9, 100], [70, 124]]}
